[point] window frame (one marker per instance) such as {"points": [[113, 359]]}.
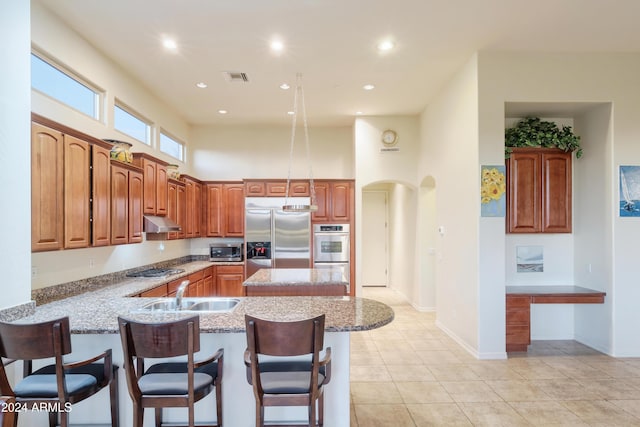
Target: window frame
{"points": [[183, 146], [98, 92], [118, 104]]}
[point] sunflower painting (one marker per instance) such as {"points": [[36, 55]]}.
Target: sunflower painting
{"points": [[492, 188]]}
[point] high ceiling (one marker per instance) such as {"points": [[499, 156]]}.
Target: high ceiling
{"points": [[333, 44]]}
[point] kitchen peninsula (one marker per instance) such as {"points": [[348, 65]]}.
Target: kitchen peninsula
{"points": [[297, 282], [93, 317]]}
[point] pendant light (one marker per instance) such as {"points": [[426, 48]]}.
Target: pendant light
{"points": [[298, 97]]}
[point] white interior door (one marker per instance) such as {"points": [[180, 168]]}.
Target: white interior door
{"points": [[374, 238]]}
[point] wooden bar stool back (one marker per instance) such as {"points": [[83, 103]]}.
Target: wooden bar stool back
{"points": [[281, 380], [168, 384], [59, 384]]}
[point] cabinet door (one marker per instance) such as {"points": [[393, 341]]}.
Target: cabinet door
{"points": [[323, 202], [213, 210], [255, 189], [47, 181], [136, 184], [172, 207], [234, 210], [182, 210], [149, 170], [523, 195], [77, 191], [190, 193], [162, 181], [119, 205], [229, 280], [340, 202], [101, 198], [556, 185], [197, 210]]}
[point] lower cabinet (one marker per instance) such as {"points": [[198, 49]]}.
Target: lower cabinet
{"points": [[517, 323], [221, 280], [229, 280]]}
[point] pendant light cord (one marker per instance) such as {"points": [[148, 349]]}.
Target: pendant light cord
{"points": [[299, 91]]}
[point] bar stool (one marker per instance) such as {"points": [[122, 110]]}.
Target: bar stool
{"points": [[282, 382], [59, 384], [168, 384]]}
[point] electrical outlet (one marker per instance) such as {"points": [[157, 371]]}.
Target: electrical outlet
{"points": [[34, 271], [92, 263], [161, 247]]}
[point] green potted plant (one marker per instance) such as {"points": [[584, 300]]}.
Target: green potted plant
{"points": [[533, 132]]}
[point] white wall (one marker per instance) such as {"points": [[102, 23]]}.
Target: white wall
{"points": [[15, 157], [520, 77], [399, 167], [237, 152], [449, 154], [67, 47]]}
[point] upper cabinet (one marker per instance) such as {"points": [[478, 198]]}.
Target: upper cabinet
{"points": [[193, 219], [224, 209], [47, 188], [539, 191], [127, 184], [155, 184], [101, 196], [335, 200], [276, 188]]}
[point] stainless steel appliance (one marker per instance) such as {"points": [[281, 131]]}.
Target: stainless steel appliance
{"points": [[274, 238], [331, 247], [225, 252]]}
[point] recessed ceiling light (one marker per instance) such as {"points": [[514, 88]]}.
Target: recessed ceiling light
{"points": [[201, 85], [359, 113], [368, 87], [385, 45], [284, 86], [291, 113], [169, 44], [222, 111], [277, 46]]}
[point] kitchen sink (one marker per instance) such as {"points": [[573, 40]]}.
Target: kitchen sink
{"points": [[191, 305]]}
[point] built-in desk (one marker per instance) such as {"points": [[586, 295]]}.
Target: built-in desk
{"points": [[518, 308]]}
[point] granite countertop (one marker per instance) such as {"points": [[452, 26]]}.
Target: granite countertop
{"points": [[297, 277], [96, 312]]}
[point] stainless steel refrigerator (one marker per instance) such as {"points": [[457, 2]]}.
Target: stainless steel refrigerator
{"points": [[274, 238]]}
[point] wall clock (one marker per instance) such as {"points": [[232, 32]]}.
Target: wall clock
{"points": [[389, 138]]}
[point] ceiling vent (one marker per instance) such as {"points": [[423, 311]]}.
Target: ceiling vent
{"points": [[236, 76]]}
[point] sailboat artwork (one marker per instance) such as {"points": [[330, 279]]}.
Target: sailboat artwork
{"points": [[629, 190]]}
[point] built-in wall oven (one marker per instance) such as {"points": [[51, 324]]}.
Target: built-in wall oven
{"points": [[331, 247]]}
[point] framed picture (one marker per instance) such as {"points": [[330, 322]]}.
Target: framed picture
{"points": [[629, 191], [493, 186], [529, 259]]}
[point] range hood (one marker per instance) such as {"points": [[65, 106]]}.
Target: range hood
{"points": [[159, 224]]}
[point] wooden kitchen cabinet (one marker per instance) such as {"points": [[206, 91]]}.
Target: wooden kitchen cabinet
{"points": [[181, 216], [101, 196], [276, 188], [193, 218], [77, 192], [539, 191], [229, 280], [47, 188], [518, 313], [224, 209], [155, 183], [176, 207], [335, 200], [126, 203]]}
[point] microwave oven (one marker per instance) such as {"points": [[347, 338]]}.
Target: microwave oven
{"points": [[225, 252]]}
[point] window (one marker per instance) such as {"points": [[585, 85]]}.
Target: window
{"points": [[170, 146], [131, 124], [63, 86]]}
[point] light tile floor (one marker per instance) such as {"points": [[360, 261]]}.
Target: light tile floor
{"points": [[410, 373]]}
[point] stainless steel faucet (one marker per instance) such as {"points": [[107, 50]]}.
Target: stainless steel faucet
{"points": [[180, 293]]}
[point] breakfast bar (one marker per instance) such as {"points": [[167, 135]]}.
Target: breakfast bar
{"points": [[518, 308], [93, 320]]}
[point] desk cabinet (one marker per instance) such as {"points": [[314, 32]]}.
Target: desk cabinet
{"points": [[518, 328]]}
